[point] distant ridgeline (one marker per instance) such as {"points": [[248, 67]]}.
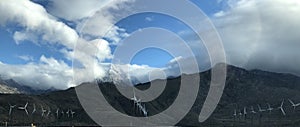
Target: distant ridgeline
{"points": [[10, 86]]}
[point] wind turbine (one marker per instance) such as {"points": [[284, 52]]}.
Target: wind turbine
{"points": [[24, 108], [57, 111], [34, 109], [43, 111], [62, 112], [252, 110], [240, 113], [68, 113], [135, 100], [72, 113], [234, 113], [269, 108], [245, 111], [145, 112], [293, 104], [281, 108], [142, 109], [11, 107], [260, 109], [49, 111]]}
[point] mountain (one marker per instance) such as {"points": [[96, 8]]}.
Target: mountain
{"points": [[10, 86], [244, 88]]}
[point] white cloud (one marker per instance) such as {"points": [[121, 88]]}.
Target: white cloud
{"points": [[93, 17], [174, 60], [128, 74], [262, 34], [40, 27], [133, 74], [73, 10], [149, 19], [37, 23], [26, 57], [87, 58], [47, 73]]}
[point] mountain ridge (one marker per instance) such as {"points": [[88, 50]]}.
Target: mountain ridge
{"points": [[10, 86], [244, 88]]}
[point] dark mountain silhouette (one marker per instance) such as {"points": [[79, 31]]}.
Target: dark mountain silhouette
{"points": [[244, 88]]}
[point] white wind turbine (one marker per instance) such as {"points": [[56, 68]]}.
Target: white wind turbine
{"points": [[24, 108], [43, 111], [240, 113], [252, 110], [57, 112], [135, 100], [62, 112], [260, 109], [68, 114], [269, 108], [293, 104], [72, 113], [245, 111], [34, 109], [49, 111], [281, 108], [234, 113], [11, 107], [144, 110]]}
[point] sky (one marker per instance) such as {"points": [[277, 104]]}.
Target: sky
{"points": [[62, 43]]}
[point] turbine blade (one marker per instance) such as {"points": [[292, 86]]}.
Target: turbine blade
{"points": [[26, 105], [282, 111], [291, 102], [26, 111], [9, 111], [282, 103]]}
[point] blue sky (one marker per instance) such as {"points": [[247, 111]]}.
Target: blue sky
{"points": [[40, 38], [10, 51]]}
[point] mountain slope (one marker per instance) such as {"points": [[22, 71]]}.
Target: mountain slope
{"points": [[243, 88], [10, 86]]}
